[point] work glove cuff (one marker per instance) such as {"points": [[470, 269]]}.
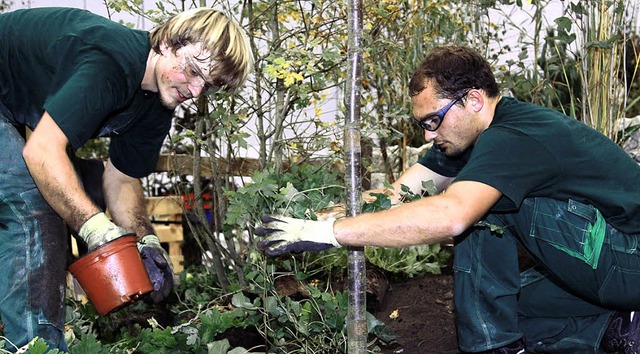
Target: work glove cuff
{"points": [[99, 230], [149, 240], [327, 229]]}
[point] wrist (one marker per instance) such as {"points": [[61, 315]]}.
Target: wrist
{"points": [[149, 240], [97, 224], [330, 232], [98, 230]]}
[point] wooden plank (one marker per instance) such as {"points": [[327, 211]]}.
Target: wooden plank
{"points": [[169, 233], [182, 164], [177, 262], [168, 205]]}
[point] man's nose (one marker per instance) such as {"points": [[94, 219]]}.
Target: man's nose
{"points": [[428, 135], [196, 90]]}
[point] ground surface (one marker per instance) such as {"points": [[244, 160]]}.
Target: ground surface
{"points": [[425, 318]]}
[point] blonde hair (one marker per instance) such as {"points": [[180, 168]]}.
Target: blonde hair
{"points": [[231, 56]]}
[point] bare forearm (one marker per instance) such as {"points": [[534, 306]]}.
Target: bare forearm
{"points": [[59, 184], [428, 220], [64, 194], [403, 226], [125, 200], [46, 158]]}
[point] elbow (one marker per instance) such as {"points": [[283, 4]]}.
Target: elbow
{"points": [[30, 153], [456, 227]]}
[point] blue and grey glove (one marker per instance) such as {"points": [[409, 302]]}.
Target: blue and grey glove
{"points": [[283, 234], [99, 230], [158, 265]]}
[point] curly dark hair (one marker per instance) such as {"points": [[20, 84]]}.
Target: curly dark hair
{"points": [[454, 69]]}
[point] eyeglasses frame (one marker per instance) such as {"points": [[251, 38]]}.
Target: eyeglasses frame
{"points": [[190, 62], [441, 113]]}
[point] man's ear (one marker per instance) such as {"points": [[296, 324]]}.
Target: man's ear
{"points": [[475, 99]]}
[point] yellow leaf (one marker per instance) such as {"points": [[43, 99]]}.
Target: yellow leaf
{"points": [[394, 315], [288, 80]]}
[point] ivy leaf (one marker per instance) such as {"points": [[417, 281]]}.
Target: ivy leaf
{"points": [[492, 227], [429, 187], [241, 301], [221, 346], [382, 202]]}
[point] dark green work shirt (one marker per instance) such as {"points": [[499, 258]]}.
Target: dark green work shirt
{"points": [[86, 72], [531, 151]]}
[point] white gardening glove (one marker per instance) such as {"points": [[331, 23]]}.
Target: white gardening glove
{"points": [[158, 265], [283, 234], [99, 230]]}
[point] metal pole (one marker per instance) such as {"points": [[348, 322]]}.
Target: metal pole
{"points": [[356, 320]]}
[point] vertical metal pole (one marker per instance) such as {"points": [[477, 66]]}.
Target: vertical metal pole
{"points": [[356, 320]]}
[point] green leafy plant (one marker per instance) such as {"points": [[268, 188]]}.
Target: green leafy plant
{"points": [[409, 261], [314, 322], [88, 343], [299, 193]]}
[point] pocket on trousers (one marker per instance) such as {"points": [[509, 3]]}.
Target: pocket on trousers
{"points": [[463, 251], [620, 288], [575, 228]]}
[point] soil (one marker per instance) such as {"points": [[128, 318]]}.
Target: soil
{"points": [[424, 321], [418, 310]]}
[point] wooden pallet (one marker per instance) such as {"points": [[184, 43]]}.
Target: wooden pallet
{"points": [[166, 215]]}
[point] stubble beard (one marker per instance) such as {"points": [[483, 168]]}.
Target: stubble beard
{"points": [[167, 102]]}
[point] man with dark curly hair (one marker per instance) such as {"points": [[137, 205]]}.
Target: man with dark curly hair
{"points": [[564, 192]]}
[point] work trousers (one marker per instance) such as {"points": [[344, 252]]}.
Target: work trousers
{"points": [[586, 269], [33, 251]]}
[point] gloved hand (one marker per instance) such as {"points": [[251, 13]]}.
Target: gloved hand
{"points": [[158, 265], [282, 234], [99, 230]]}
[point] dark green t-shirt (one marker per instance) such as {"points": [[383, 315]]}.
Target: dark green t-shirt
{"points": [[530, 151], [86, 72]]}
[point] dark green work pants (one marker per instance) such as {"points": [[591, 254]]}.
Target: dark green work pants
{"points": [[586, 270]]}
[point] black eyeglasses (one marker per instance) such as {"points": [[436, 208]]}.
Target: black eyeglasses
{"points": [[432, 121]]}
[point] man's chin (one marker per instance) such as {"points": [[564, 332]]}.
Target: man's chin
{"points": [[169, 104], [453, 152]]}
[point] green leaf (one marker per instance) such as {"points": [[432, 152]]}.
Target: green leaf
{"points": [[380, 330], [429, 186], [218, 347], [241, 301], [39, 346], [271, 306], [88, 344]]}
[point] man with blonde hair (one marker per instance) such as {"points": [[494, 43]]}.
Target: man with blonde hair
{"points": [[70, 75]]}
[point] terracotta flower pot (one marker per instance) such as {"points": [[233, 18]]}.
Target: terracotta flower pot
{"points": [[112, 275]]}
